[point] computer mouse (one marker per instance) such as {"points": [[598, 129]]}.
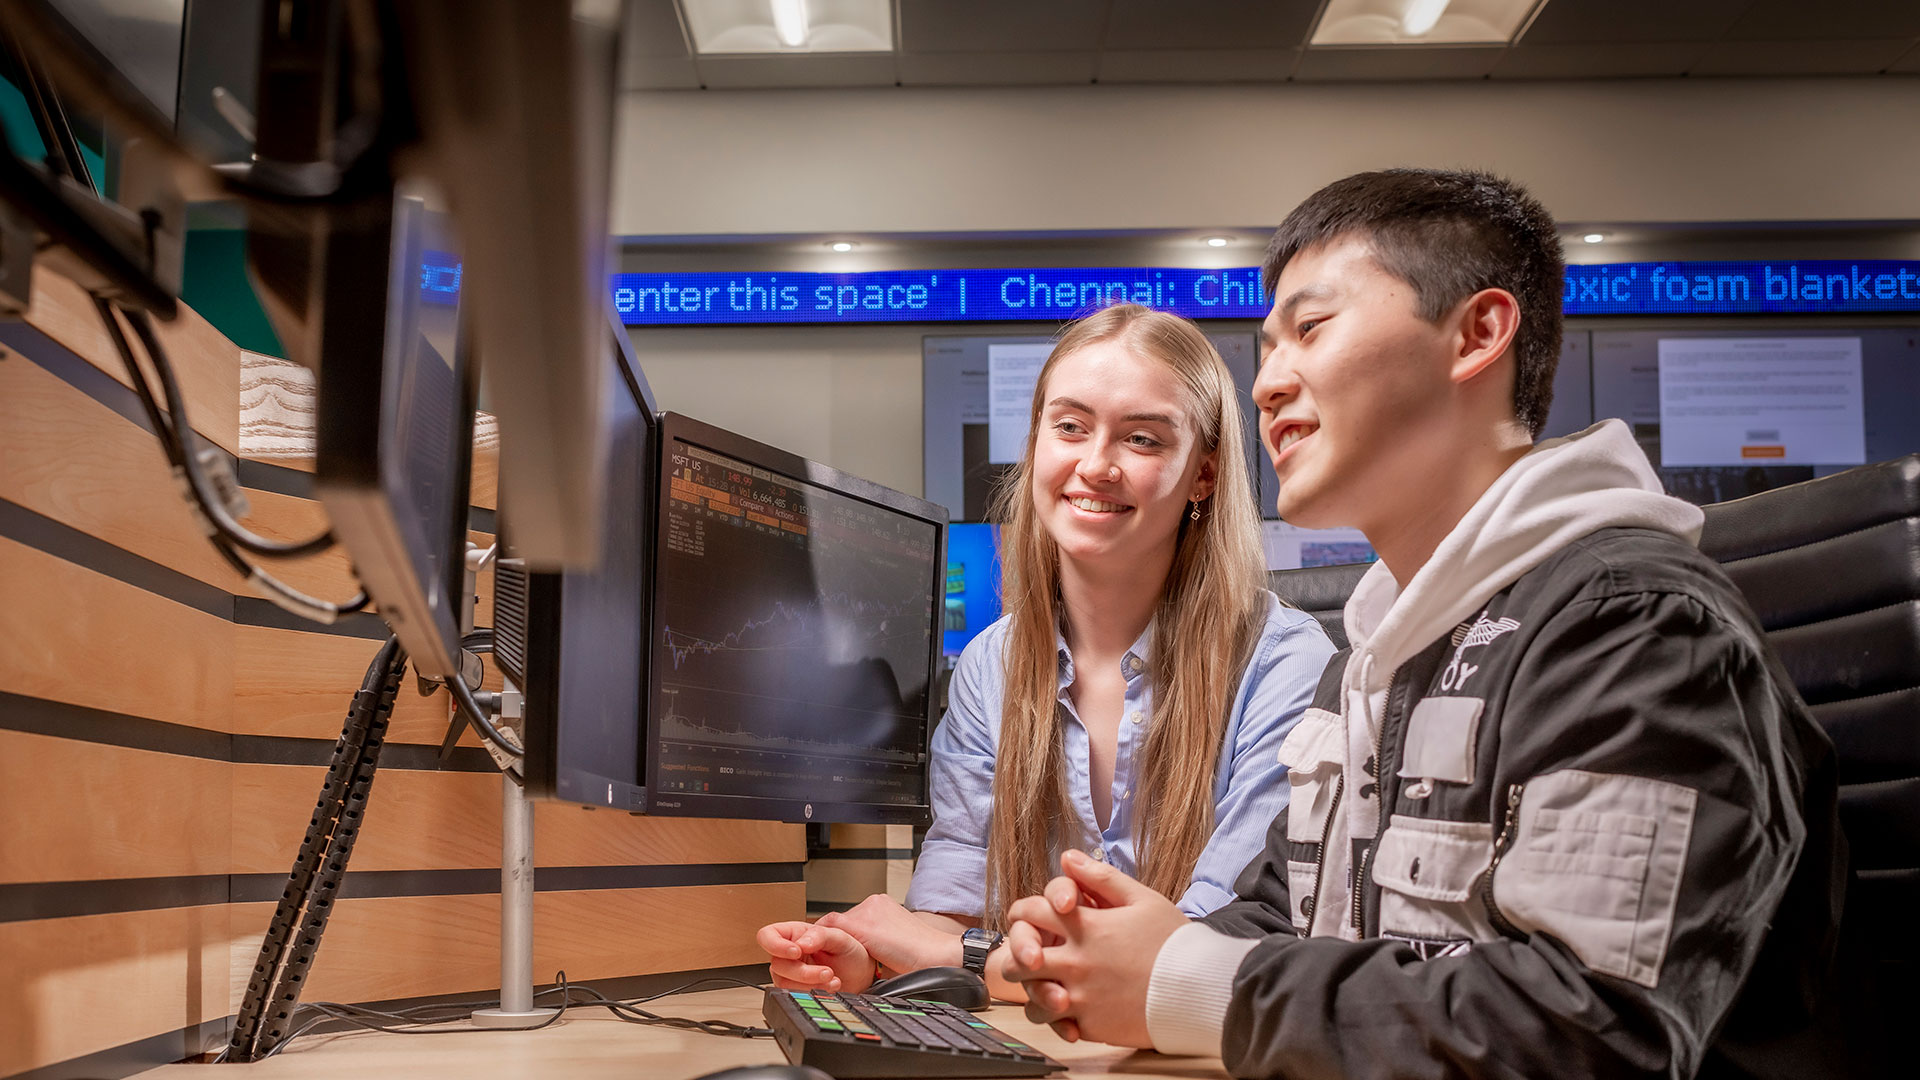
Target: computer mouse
{"points": [[767, 1072], [951, 985]]}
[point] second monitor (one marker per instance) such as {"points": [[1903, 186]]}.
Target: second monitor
{"points": [[796, 625]]}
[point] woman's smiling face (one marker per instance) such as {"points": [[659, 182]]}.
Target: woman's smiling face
{"points": [[1116, 456]]}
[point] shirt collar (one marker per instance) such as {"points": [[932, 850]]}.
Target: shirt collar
{"points": [[1133, 665]]}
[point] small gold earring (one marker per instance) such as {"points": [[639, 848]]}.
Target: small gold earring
{"points": [[1195, 516]]}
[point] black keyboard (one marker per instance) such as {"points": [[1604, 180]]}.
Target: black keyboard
{"points": [[859, 1035]]}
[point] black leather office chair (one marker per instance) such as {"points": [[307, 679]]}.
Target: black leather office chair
{"points": [[1320, 591], [1832, 569]]}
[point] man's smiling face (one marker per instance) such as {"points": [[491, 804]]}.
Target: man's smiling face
{"points": [[1351, 384]]}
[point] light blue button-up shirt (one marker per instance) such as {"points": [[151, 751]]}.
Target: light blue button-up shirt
{"points": [[1249, 788]]}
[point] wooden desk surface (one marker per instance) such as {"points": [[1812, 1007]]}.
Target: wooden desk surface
{"points": [[588, 1044]]}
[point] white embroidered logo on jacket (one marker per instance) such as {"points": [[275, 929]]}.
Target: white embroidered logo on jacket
{"points": [[1482, 632]]}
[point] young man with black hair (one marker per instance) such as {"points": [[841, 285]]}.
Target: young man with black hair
{"points": [[1560, 811]]}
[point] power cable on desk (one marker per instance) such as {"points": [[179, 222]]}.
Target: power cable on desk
{"points": [[424, 1019]]}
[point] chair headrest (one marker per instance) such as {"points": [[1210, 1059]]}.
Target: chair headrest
{"points": [[1814, 510]]}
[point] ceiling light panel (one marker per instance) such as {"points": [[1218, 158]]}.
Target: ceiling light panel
{"points": [[734, 27], [1422, 22]]}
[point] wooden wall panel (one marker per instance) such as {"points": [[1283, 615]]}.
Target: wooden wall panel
{"points": [[70, 634], [206, 363], [79, 985], [838, 882], [297, 684], [411, 946], [78, 811], [74, 460], [419, 820], [611, 933], [859, 862], [327, 574]]}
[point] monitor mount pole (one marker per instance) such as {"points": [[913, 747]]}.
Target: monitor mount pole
{"points": [[516, 909], [516, 834]]}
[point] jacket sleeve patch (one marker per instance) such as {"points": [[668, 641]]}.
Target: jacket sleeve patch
{"points": [[1596, 861], [1441, 736]]}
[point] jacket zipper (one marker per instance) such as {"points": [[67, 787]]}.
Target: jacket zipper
{"points": [[1326, 836], [1494, 916], [1380, 796]]}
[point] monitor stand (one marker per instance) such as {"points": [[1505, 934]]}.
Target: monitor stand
{"points": [[516, 912]]}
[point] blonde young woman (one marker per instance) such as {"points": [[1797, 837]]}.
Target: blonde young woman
{"points": [[1132, 700]]}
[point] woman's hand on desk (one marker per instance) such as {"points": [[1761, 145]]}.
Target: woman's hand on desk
{"points": [[900, 940], [808, 956]]}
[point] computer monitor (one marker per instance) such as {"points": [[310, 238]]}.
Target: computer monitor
{"points": [[394, 446], [796, 615], [576, 642], [973, 585], [1727, 412]]}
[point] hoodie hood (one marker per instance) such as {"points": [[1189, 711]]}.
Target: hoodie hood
{"points": [[1562, 490]]}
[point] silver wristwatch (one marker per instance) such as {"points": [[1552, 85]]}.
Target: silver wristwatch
{"points": [[975, 945]]}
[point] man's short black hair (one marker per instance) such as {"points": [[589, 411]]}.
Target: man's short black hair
{"points": [[1449, 234]]}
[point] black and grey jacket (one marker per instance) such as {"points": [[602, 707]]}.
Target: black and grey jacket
{"points": [[1586, 828]]}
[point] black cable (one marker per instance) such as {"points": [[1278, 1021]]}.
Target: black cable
{"points": [[208, 500], [477, 716], [409, 1022], [180, 461]]}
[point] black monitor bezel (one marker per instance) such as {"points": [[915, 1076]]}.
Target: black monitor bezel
{"points": [[358, 474], [546, 775], [675, 427]]}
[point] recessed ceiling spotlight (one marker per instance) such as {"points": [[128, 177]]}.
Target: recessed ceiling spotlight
{"points": [[1421, 15], [843, 245], [723, 27], [1421, 22], [790, 22], [1217, 241], [1594, 237]]}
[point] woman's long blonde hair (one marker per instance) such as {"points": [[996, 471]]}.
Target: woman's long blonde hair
{"points": [[1208, 618]]}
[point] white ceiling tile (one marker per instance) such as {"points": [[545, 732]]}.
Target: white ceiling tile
{"points": [[1786, 20], [1601, 61], [1197, 65], [652, 28], [793, 72], [1001, 25], [660, 73], [1798, 57], [996, 69], [1209, 24], [1588, 22], [1332, 65]]}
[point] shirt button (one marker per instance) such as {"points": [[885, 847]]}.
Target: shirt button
{"points": [[1135, 665], [1098, 854], [1135, 716]]}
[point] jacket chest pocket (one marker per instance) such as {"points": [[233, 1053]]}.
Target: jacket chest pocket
{"points": [[1312, 753], [1429, 872]]}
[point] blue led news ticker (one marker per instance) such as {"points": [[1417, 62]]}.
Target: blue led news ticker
{"points": [[1051, 294], [1033, 295]]}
